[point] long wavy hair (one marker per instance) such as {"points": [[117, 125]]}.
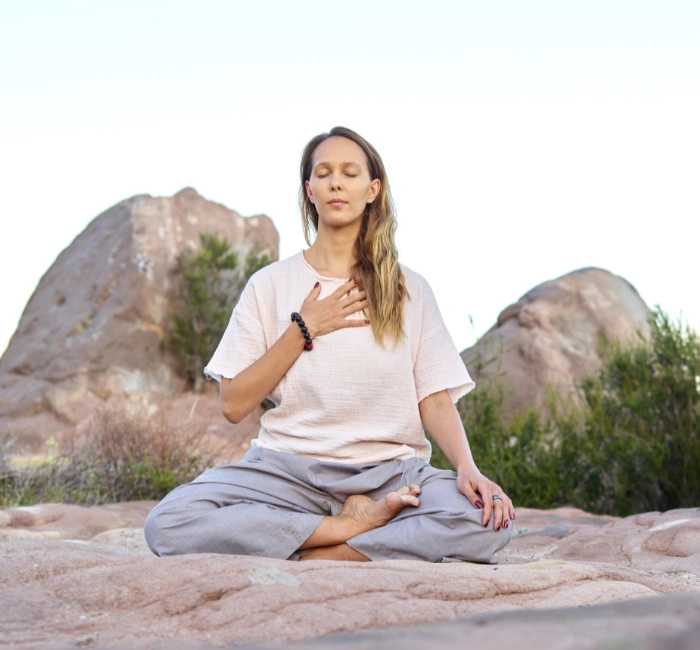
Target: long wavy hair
{"points": [[377, 269]]}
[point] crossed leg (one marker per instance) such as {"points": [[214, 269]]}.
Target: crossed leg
{"points": [[360, 514]]}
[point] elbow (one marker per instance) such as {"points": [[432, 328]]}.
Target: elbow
{"points": [[234, 406], [234, 416]]}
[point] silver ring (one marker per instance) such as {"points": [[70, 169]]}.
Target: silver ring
{"points": [[496, 496]]}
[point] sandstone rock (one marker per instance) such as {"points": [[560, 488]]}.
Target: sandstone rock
{"points": [[551, 337], [111, 589], [667, 622], [95, 324], [79, 522]]}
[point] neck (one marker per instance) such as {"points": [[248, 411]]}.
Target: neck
{"points": [[333, 252]]}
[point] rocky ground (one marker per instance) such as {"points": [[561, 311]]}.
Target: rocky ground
{"points": [[74, 577]]}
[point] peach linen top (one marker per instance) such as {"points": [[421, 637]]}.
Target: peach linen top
{"points": [[347, 400]]}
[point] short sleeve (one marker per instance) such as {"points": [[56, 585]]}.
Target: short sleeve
{"points": [[243, 342], [438, 365]]}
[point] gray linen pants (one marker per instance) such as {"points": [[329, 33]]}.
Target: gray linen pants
{"points": [[270, 502]]}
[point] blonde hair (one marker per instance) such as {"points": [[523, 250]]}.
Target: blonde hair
{"points": [[377, 269]]}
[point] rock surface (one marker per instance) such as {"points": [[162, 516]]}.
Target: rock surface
{"points": [[551, 337], [66, 585], [94, 327]]}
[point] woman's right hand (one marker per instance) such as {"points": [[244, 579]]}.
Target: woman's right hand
{"points": [[329, 314]]}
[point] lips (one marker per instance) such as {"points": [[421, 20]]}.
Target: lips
{"points": [[337, 202]]}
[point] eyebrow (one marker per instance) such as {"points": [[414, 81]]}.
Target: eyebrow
{"points": [[343, 163]]}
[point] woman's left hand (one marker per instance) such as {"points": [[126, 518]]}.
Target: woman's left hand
{"points": [[480, 491]]}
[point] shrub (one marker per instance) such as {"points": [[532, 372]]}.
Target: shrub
{"points": [[641, 426], [517, 455], [633, 447], [210, 282], [121, 457]]}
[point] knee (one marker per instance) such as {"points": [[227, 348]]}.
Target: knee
{"points": [[163, 531], [493, 541], [502, 537], [153, 531]]}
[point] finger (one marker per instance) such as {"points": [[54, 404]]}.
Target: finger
{"points": [[353, 322], [352, 298], [316, 289], [414, 489], [510, 509], [351, 308], [485, 492], [344, 288], [497, 514], [473, 497], [500, 507]]}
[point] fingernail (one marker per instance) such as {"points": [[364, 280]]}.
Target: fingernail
{"points": [[366, 322], [478, 504], [498, 526], [354, 281], [506, 524], [316, 285]]}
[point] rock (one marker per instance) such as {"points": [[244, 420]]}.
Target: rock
{"points": [[644, 624], [552, 337], [79, 522], [58, 592], [94, 327]]}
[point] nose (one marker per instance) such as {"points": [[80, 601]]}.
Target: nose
{"points": [[335, 182]]}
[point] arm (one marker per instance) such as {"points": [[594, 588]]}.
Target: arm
{"points": [[441, 419], [242, 393]]}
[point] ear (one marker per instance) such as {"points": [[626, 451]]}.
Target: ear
{"points": [[308, 191], [374, 188]]}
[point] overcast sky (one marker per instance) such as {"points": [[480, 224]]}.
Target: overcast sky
{"points": [[522, 140]]}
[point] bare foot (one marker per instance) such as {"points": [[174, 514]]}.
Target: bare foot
{"points": [[368, 514]]}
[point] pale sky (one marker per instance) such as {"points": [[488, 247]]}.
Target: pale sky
{"points": [[522, 140]]}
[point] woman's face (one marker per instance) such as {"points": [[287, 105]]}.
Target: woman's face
{"points": [[340, 185]]}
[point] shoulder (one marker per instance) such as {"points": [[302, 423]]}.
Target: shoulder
{"points": [[268, 276], [416, 284]]}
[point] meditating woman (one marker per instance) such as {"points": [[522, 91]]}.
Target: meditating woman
{"points": [[351, 348]]}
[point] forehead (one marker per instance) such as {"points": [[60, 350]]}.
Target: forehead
{"points": [[339, 150]]}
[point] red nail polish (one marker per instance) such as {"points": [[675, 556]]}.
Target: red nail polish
{"points": [[498, 526], [506, 524], [478, 504], [316, 285]]}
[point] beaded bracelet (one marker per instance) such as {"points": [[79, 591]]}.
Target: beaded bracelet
{"points": [[304, 330]]}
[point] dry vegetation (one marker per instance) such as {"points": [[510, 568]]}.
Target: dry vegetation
{"points": [[121, 456]]}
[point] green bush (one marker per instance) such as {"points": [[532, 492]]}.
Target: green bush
{"points": [[633, 447], [209, 282], [641, 426], [518, 455]]}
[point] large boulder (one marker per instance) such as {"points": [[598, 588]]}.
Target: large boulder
{"points": [[95, 325], [553, 337], [75, 576]]}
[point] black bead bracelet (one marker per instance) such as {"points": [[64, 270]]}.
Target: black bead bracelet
{"points": [[304, 330]]}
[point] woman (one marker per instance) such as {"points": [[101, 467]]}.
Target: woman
{"points": [[355, 366]]}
